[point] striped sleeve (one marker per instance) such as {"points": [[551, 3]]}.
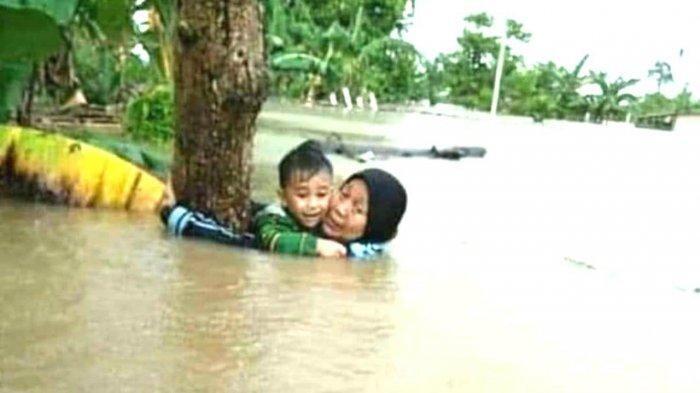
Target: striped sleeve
{"points": [[279, 233], [180, 221]]}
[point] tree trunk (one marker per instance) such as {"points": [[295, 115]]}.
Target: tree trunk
{"points": [[220, 87]]}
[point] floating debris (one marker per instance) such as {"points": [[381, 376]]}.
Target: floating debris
{"points": [[579, 263], [336, 145]]}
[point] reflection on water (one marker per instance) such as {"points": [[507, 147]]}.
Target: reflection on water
{"points": [[96, 301], [477, 296]]}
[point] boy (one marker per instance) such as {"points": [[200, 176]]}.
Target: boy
{"points": [[306, 180], [306, 185]]}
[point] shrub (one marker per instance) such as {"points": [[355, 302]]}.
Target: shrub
{"points": [[149, 117]]}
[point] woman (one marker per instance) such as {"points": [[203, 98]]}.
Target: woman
{"points": [[365, 212], [364, 215]]}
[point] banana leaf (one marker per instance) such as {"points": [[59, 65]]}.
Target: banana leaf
{"points": [[51, 167]]}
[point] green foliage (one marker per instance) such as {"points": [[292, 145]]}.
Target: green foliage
{"points": [[653, 104], [316, 47], [380, 16], [469, 72], [27, 34], [60, 11], [514, 29], [165, 9], [389, 67], [106, 21], [37, 30], [13, 76], [298, 62], [97, 71], [31, 28], [137, 75], [150, 117], [659, 104], [114, 18], [158, 38], [99, 39], [662, 73], [107, 75], [29, 31], [433, 82], [609, 104], [571, 105], [480, 20], [546, 91], [530, 93], [684, 104]]}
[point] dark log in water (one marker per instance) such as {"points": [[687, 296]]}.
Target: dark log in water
{"points": [[364, 152]]}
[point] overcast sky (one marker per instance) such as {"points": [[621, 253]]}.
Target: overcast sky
{"points": [[623, 38]]}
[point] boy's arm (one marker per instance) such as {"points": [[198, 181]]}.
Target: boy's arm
{"points": [[279, 233], [181, 221]]}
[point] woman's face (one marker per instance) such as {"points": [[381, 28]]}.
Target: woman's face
{"points": [[347, 214]]}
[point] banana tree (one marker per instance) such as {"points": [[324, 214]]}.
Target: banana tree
{"points": [[157, 39], [31, 31], [608, 104], [40, 42], [327, 57], [315, 47], [318, 70], [99, 40], [381, 16], [571, 105], [531, 92], [58, 169]]}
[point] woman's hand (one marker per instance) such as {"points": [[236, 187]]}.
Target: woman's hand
{"points": [[330, 249], [168, 199]]}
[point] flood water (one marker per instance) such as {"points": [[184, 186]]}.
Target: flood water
{"points": [[565, 260]]}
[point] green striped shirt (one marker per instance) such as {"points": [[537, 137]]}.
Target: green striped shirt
{"points": [[277, 231]]}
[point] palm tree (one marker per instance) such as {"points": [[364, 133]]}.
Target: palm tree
{"points": [[662, 73]]}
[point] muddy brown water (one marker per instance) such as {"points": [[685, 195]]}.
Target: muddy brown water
{"points": [[478, 294]]}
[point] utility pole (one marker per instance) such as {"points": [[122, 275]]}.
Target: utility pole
{"points": [[499, 69]]}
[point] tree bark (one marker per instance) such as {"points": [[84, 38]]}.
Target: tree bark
{"points": [[220, 87]]}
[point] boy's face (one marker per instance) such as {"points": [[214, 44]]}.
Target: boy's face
{"points": [[307, 197]]}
